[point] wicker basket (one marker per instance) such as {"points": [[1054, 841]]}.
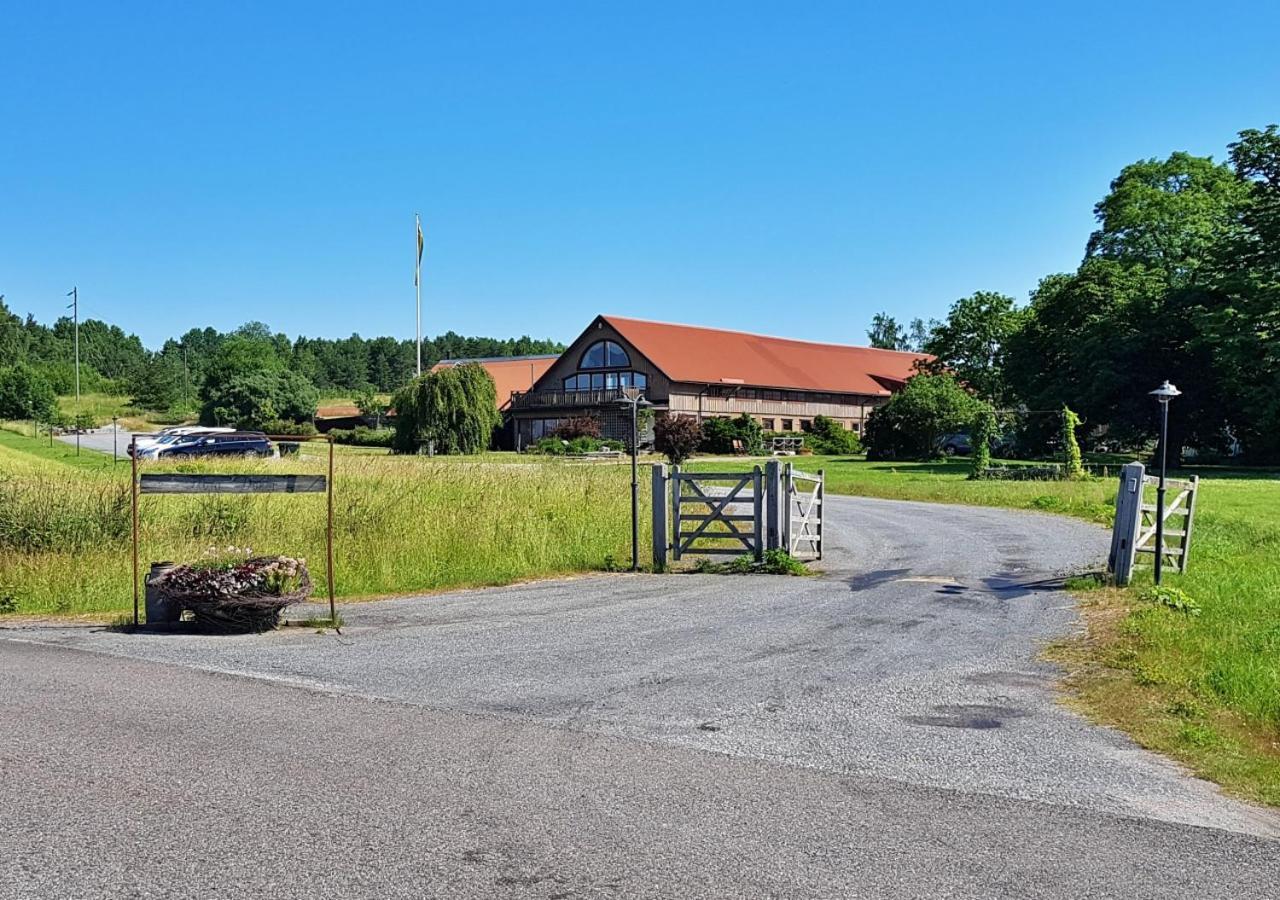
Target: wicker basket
{"points": [[242, 613]]}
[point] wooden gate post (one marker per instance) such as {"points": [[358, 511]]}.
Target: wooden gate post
{"points": [[1124, 535], [788, 501], [659, 517], [757, 502], [675, 512], [822, 506], [773, 512]]}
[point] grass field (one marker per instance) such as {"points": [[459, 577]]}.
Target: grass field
{"points": [[1205, 687], [402, 524]]}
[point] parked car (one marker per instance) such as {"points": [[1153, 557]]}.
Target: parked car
{"points": [[171, 435], [956, 444], [234, 443]]}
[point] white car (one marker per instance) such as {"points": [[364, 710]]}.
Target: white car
{"points": [[150, 447]]}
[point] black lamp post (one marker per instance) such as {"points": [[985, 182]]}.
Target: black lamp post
{"points": [[632, 397], [1164, 394]]}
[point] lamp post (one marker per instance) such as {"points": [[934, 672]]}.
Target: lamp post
{"points": [[1164, 394], [632, 397]]}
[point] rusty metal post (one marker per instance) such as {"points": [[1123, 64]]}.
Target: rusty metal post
{"points": [[133, 491], [333, 613]]}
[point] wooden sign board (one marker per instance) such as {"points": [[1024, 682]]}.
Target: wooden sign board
{"points": [[232, 484]]}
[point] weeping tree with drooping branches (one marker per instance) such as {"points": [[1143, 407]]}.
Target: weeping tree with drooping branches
{"points": [[455, 409]]}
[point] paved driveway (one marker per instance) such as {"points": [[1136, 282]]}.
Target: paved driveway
{"points": [[888, 725]]}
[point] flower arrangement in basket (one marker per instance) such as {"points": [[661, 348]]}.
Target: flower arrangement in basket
{"points": [[233, 591]]}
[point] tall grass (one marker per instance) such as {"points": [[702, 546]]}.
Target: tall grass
{"points": [[402, 525]]}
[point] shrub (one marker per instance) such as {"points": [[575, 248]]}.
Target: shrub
{"points": [[1070, 446], [827, 436], [677, 437], [911, 425], [363, 436], [576, 427], [1051, 472], [286, 428], [984, 431], [455, 408], [84, 421], [1172, 598], [718, 435]]}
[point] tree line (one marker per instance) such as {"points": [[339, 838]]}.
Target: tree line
{"points": [[196, 370], [1180, 281]]}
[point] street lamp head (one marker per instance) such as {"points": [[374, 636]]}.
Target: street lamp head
{"points": [[631, 393], [1166, 392]]}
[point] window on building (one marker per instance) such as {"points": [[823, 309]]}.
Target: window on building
{"points": [[541, 428], [604, 355], [786, 425], [855, 427]]}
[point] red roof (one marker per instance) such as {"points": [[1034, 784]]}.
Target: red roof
{"points": [[713, 356], [515, 373]]}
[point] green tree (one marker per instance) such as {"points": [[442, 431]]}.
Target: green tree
{"points": [[25, 394], [972, 342], [886, 334], [1168, 214], [158, 384], [252, 399], [912, 424], [454, 409]]}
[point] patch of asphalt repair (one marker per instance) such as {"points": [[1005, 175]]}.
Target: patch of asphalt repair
{"points": [[914, 658]]}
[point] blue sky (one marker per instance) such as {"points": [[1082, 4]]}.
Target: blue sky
{"points": [[788, 168]]}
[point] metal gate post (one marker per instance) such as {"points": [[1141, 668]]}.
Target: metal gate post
{"points": [[1124, 535], [659, 517]]}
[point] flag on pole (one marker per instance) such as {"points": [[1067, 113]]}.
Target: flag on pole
{"points": [[417, 271]]}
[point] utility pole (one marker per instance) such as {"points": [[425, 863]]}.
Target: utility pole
{"points": [[74, 294]]}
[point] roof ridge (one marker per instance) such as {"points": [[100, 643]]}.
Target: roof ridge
{"points": [[756, 334]]}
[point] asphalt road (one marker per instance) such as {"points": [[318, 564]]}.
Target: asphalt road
{"points": [[886, 730], [101, 440]]}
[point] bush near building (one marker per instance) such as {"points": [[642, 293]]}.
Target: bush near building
{"points": [[677, 437]]}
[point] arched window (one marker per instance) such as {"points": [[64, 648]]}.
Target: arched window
{"points": [[604, 355]]}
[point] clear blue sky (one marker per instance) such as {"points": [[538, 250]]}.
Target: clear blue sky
{"points": [[790, 168]]}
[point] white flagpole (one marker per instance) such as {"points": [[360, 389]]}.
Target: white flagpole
{"points": [[417, 284]]}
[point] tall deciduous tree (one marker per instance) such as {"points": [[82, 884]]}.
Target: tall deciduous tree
{"points": [[1167, 214], [886, 334], [972, 342]]}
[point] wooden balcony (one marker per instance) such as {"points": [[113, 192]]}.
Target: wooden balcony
{"points": [[559, 399]]}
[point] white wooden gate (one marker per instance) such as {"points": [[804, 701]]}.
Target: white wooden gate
{"points": [[802, 512]]}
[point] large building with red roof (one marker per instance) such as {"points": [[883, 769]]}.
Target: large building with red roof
{"points": [[705, 373]]}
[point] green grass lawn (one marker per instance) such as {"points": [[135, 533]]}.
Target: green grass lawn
{"points": [[1204, 688]]}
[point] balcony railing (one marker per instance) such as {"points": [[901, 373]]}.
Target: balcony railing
{"points": [[535, 399]]}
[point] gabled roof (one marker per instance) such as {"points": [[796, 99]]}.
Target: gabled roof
{"points": [[714, 356], [509, 373]]}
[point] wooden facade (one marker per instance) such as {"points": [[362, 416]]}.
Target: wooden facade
{"points": [[588, 380]]}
